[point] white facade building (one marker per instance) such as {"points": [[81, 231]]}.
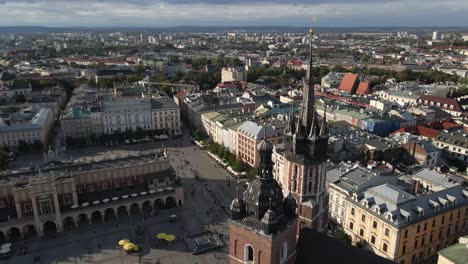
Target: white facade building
{"points": [[229, 74]]}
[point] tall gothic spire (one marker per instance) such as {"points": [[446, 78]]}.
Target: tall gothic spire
{"points": [[323, 128], [308, 101]]}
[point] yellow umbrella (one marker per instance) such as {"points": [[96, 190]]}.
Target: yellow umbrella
{"points": [[161, 235], [123, 242], [129, 246], [170, 238]]}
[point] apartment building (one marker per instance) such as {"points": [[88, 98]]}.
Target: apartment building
{"points": [[250, 134], [454, 142], [29, 126], [407, 228]]}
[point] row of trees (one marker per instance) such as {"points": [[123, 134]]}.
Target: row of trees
{"points": [[226, 156]]}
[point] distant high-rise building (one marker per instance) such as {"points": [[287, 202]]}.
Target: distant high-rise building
{"points": [[230, 74], [437, 35]]}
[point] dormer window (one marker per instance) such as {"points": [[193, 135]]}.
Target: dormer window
{"points": [[389, 217]]}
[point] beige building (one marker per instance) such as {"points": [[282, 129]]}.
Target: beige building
{"points": [[27, 126], [76, 123], [230, 74], [62, 196], [404, 227]]}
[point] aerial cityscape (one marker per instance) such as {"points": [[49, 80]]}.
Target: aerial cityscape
{"points": [[248, 132]]}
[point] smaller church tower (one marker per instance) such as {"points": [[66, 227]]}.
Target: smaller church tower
{"points": [[263, 223]]}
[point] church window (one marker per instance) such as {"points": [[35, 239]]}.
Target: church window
{"points": [[248, 254], [284, 252]]}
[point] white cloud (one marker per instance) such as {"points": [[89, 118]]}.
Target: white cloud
{"points": [[163, 13]]}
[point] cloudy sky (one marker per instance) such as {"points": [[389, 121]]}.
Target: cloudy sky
{"points": [[158, 13]]}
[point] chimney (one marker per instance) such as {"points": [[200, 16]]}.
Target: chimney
{"points": [[416, 187]]}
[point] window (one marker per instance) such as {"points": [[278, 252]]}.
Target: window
{"points": [[406, 233], [284, 253], [351, 225], [418, 228], [45, 206], [363, 217], [433, 223], [422, 241], [2, 204], [91, 188], [374, 225], [352, 211], [80, 189], [443, 219], [403, 250], [385, 247], [372, 240], [104, 186], [66, 200], [361, 232], [387, 231], [27, 207], [248, 253], [425, 226], [416, 243]]}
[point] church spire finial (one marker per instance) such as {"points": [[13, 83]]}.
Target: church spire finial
{"points": [[308, 101]]}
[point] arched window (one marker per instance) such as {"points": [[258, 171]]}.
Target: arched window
{"points": [[284, 252], [235, 247], [295, 172], [309, 187], [248, 254]]}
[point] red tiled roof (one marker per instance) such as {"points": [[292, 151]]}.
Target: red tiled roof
{"points": [[363, 88], [295, 62], [442, 100], [428, 130], [349, 82], [449, 124], [181, 93]]}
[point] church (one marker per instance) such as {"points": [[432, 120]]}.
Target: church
{"points": [[281, 216]]}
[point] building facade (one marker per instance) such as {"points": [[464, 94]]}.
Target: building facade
{"points": [[249, 135], [407, 228], [28, 126], [231, 74], [62, 196]]}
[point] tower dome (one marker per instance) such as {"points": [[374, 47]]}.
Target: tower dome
{"points": [[237, 207], [265, 146]]}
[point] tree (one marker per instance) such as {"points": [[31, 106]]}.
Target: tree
{"points": [[19, 98], [4, 159], [338, 68], [10, 109], [342, 236], [198, 134]]}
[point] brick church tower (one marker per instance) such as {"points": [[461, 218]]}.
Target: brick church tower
{"points": [[300, 167], [263, 223]]}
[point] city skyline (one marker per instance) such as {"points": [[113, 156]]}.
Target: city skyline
{"points": [[317, 13]]}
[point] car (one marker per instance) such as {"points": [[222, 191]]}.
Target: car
{"points": [[173, 219]]}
